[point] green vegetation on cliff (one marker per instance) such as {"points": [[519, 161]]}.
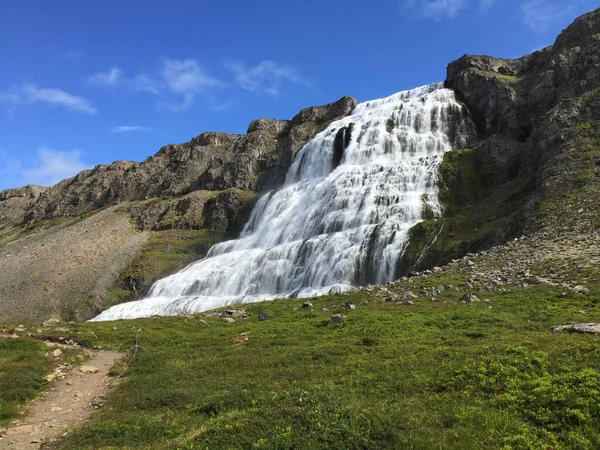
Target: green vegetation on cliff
{"points": [[476, 214], [166, 252]]}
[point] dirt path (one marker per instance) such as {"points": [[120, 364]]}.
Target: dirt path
{"points": [[67, 404]]}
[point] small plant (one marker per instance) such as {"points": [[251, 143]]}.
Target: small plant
{"points": [[584, 127]]}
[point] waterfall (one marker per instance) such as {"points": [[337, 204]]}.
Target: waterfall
{"points": [[340, 220]]}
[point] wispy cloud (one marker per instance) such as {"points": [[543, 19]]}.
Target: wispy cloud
{"points": [[145, 83], [130, 128], [30, 94], [266, 77], [112, 77], [177, 82], [51, 166], [443, 9], [47, 168], [187, 79], [539, 15]]}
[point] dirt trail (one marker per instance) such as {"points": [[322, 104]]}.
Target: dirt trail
{"points": [[66, 404]]}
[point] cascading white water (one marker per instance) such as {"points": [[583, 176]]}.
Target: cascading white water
{"points": [[330, 227]]}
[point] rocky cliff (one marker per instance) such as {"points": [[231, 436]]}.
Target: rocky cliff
{"points": [[537, 163]]}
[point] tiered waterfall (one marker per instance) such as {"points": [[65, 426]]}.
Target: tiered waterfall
{"points": [[342, 217]]}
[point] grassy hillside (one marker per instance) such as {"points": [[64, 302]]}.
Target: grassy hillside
{"points": [[436, 374]]}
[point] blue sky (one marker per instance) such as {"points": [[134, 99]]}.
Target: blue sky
{"points": [[85, 83]]}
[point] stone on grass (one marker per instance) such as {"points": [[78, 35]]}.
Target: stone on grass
{"points": [[581, 290], [469, 298], [262, 316], [580, 328], [335, 319]]}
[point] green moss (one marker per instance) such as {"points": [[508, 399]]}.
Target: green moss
{"points": [[164, 253], [476, 214], [463, 180], [584, 127], [246, 195], [505, 77], [509, 78]]}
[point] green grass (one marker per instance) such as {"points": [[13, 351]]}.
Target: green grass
{"points": [[23, 367], [168, 251], [439, 374], [509, 78], [584, 127]]}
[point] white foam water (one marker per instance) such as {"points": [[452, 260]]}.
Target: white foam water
{"points": [[332, 226]]}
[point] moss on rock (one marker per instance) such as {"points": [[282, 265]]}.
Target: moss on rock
{"points": [[477, 213]]}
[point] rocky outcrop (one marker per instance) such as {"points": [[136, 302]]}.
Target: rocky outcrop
{"points": [[511, 96], [15, 202], [209, 162], [522, 99]]}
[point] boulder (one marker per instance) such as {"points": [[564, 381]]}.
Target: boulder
{"points": [[336, 319], [580, 328]]}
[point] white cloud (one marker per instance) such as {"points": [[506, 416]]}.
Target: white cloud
{"points": [[187, 79], [31, 94], [47, 168], [129, 128], [112, 77], [51, 166], [268, 76], [145, 83], [435, 9], [539, 15], [177, 82]]}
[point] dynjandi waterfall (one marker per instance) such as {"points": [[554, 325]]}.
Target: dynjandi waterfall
{"points": [[341, 219]]}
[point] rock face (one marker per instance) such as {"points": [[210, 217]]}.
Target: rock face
{"points": [[538, 119], [538, 100], [209, 162]]}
